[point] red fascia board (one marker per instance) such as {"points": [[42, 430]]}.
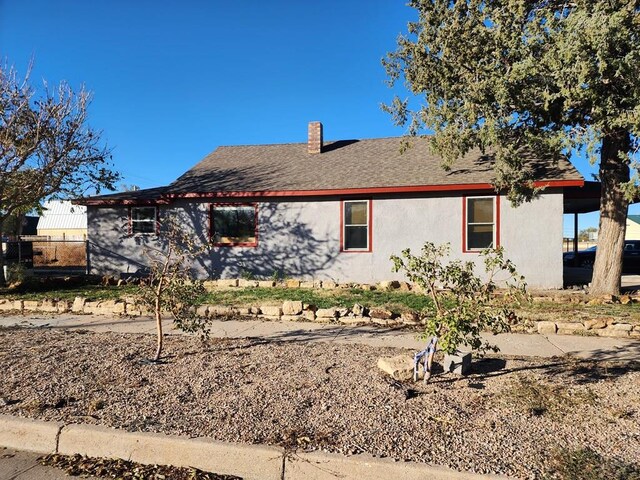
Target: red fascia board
{"points": [[368, 191], [132, 203], [454, 187]]}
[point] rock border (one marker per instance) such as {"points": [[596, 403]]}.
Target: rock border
{"points": [[294, 311], [252, 462]]}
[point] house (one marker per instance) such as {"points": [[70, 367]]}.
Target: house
{"points": [[61, 220], [337, 210], [633, 227]]}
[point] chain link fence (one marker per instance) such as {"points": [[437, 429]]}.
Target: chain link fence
{"points": [[47, 256]]}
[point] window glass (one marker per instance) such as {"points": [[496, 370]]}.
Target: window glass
{"points": [[480, 223], [234, 224], [143, 220], [480, 210], [356, 225]]}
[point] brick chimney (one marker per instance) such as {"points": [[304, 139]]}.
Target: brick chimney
{"points": [[315, 138]]}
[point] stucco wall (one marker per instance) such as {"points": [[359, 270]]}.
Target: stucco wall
{"points": [[300, 239]]}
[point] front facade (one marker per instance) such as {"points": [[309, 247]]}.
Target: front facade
{"points": [[345, 231]]}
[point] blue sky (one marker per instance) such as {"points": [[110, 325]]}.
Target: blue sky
{"points": [[174, 80]]}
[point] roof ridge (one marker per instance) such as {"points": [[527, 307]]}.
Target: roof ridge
{"points": [[325, 141]]}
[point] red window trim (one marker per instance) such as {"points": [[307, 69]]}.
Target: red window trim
{"points": [[130, 225], [496, 202], [370, 225], [233, 244]]}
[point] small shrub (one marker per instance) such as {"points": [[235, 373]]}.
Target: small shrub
{"points": [[464, 304]]}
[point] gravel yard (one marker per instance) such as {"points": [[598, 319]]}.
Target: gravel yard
{"points": [[511, 416]]}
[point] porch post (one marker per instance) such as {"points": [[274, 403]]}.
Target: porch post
{"points": [[575, 239]]}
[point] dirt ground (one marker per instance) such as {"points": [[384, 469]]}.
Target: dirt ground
{"points": [[511, 415]]}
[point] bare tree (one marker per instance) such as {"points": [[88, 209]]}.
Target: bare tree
{"points": [[47, 150]]}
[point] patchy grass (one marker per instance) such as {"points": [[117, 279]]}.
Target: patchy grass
{"points": [[535, 397], [586, 464], [563, 311], [397, 301], [67, 292]]}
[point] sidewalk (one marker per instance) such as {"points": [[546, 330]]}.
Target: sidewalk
{"points": [[597, 348], [19, 465]]}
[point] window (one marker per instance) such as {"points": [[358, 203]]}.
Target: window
{"points": [[234, 225], [480, 223], [356, 229], [143, 219]]}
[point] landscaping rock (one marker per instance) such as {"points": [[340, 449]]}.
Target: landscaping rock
{"points": [[309, 315], [243, 310], [246, 283], [271, 311], [384, 322], [366, 287], [568, 328], [380, 313], [202, 311], [459, 363], [64, 306], [78, 305], [610, 332], [405, 287], [119, 308], [389, 285], [622, 327], [266, 283], [291, 318], [329, 284], [625, 299], [353, 320], [30, 305], [342, 312], [307, 285], [230, 282], [291, 307], [6, 305], [595, 324], [49, 306], [220, 310], [399, 367], [326, 313], [546, 328], [357, 309], [410, 318], [18, 305], [292, 283]]}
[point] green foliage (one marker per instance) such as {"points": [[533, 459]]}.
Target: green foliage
{"points": [[463, 305], [583, 236], [525, 79]]}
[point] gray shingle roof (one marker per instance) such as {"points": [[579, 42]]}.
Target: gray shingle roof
{"points": [[342, 165], [347, 164]]}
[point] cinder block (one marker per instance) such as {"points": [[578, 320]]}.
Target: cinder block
{"points": [[459, 363]]}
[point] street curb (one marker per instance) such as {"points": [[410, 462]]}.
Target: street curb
{"points": [[322, 466], [27, 434], [251, 462]]}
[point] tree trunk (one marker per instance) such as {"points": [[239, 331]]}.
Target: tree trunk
{"points": [[3, 281], [613, 214], [159, 329]]}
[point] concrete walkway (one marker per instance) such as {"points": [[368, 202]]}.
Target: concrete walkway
{"points": [[20, 465], [597, 348]]}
